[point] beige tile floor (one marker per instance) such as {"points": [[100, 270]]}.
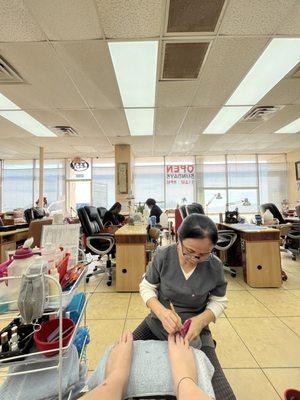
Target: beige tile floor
{"points": [[258, 338]]}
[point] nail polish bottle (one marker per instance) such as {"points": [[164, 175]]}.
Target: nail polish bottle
{"points": [[4, 342]]}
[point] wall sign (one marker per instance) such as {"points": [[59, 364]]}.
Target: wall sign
{"points": [[80, 165], [122, 177], [180, 174], [79, 169]]}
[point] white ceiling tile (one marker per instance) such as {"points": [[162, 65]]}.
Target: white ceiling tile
{"points": [[162, 144], [130, 19], [113, 122], [228, 62], [290, 25], [244, 127], [17, 25], [196, 121], [168, 120], [244, 17], [66, 19], [85, 124], [39, 66], [286, 91], [175, 94], [89, 65]]}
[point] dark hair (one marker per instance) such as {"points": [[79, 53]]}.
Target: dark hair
{"points": [[150, 202], [197, 226], [116, 205]]}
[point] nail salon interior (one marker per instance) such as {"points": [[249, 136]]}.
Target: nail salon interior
{"points": [[150, 199]]}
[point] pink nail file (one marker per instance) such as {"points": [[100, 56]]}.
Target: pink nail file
{"points": [[185, 327]]}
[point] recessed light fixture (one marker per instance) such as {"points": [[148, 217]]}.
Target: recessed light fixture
{"points": [[277, 60], [225, 119], [280, 57], [140, 121], [293, 127], [27, 122], [6, 104], [135, 65]]}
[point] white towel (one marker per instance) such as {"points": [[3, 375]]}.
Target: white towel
{"points": [[151, 372]]}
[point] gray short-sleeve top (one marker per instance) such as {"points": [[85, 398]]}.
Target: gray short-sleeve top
{"points": [[189, 296]]}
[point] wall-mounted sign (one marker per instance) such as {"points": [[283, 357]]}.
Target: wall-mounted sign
{"points": [[180, 174], [122, 178], [79, 165], [79, 169]]}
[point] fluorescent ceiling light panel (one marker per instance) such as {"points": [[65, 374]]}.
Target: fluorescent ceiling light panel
{"points": [[225, 119], [135, 67], [280, 57], [140, 121], [293, 127], [6, 104], [27, 122]]}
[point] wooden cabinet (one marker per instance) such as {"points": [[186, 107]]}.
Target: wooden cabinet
{"points": [[130, 257], [9, 240], [263, 264], [259, 254]]}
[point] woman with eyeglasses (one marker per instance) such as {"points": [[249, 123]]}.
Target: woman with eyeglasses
{"points": [[186, 281]]}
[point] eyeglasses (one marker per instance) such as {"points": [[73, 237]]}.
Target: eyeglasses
{"points": [[194, 257]]}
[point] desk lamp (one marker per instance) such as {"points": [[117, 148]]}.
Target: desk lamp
{"points": [[216, 196]]}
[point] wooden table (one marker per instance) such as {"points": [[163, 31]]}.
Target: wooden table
{"points": [[257, 249], [130, 257], [9, 240]]}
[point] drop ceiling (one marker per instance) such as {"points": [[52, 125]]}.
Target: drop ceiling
{"points": [[60, 49]]}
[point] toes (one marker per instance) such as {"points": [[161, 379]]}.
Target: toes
{"points": [[171, 339], [129, 337]]}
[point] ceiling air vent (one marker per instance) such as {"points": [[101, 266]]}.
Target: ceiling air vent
{"points": [[261, 113], [63, 130], [8, 75]]}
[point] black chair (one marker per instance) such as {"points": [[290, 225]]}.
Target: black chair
{"points": [[291, 240], [101, 211], [96, 241], [194, 208], [33, 213], [274, 211]]}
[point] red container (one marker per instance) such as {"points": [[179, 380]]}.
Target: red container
{"points": [[40, 337], [292, 394], [62, 266]]}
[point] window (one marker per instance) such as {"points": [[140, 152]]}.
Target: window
{"points": [[242, 171], [149, 180], [179, 180], [103, 189], [54, 183], [272, 180], [17, 184]]}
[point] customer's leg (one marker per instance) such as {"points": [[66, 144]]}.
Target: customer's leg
{"points": [[184, 370], [116, 373], [143, 332], [220, 384]]}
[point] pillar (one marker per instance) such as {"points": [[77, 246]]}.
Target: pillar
{"points": [[41, 177], [124, 172]]}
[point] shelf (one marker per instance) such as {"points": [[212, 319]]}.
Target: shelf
{"points": [[67, 295], [37, 356]]}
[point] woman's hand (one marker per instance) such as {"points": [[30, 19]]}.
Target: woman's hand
{"points": [[170, 321], [195, 328]]}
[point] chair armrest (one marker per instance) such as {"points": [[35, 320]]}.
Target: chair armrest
{"points": [[103, 236], [226, 236]]}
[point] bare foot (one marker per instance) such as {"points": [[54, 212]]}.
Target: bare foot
{"points": [[182, 359], [119, 361]]}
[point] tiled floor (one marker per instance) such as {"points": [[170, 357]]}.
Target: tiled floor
{"points": [[258, 337]]}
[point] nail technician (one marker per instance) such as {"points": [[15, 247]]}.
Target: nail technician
{"points": [[188, 278]]}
